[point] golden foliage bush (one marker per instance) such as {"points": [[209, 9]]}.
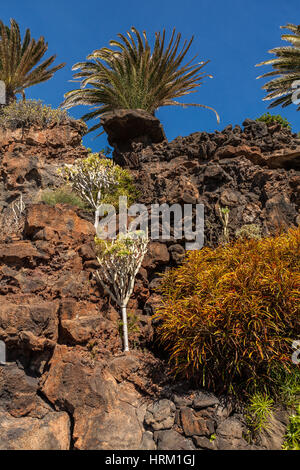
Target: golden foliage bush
{"points": [[230, 314]]}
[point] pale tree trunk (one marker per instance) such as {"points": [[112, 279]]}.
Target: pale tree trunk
{"points": [[97, 212], [125, 328], [96, 224]]}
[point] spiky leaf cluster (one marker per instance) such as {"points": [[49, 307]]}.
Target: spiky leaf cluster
{"points": [[20, 65], [230, 315], [286, 69], [134, 76]]}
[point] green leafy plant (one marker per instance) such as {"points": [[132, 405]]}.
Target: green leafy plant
{"points": [[97, 180], [286, 69], [132, 76], [61, 196], [259, 411], [20, 65], [288, 381], [229, 315], [125, 187], [274, 119], [31, 112], [292, 437]]}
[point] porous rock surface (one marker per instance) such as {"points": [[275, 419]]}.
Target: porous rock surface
{"points": [[67, 384]]}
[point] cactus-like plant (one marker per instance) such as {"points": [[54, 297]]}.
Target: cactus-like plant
{"points": [[88, 178], [120, 261]]}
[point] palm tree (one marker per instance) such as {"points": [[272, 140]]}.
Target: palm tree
{"points": [[134, 77], [19, 61], [287, 66]]}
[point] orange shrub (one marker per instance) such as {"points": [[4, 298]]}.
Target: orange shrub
{"points": [[229, 315]]}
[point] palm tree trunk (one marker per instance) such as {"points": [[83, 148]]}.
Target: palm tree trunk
{"points": [[10, 97]]}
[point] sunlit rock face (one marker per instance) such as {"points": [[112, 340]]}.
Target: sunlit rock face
{"points": [[66, 383]]}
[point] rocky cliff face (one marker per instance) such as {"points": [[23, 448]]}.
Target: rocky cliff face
{"points": [[30, 157], [66, 383], [253, 171]]}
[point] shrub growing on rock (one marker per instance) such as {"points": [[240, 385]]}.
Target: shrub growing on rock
{"points": [[97, 180], [259, 410], [292, 437], [229, 315], [120, 261], [29, 113], [61, 196], [274, 119]]}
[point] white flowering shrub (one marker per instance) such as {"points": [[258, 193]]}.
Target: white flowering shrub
{"points": [[97, 180], [89, 177]]}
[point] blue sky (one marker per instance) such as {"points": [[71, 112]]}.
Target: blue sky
{"points": [[234, 35]]}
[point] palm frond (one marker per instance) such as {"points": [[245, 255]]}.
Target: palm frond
{"points": [[20, 65], [286, 66], [131, 75]]}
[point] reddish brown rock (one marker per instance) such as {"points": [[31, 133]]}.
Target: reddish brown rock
{"points": [[177, 253], [196, 423], [29, 322], [60, 219], [20, 172], [97, 401], [30, 157], [53, 142], [254, 154], [50, 303], [49, 433], [284, 158], [152, 304], [81, 320], [17, 391], [279, 211], [21, 253], [156, 255], [246, 189]]}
